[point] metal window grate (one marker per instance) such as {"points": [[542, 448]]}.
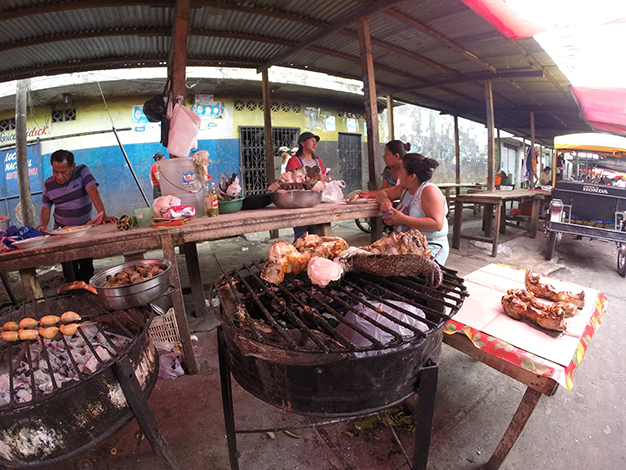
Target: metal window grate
{"points": [[64, 115], [254, 178], [7, 125], [349, 149]]}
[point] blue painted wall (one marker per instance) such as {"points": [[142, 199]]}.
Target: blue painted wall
{"points": [[116, 184]]}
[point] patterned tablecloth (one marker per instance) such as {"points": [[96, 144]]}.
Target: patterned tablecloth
{"points": [[532, 360]]}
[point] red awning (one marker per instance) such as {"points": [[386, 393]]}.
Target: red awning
{"points": [[603, 108], [500, 15]]}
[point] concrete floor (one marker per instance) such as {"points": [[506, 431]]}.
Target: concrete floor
{"points": [[582, 429]]}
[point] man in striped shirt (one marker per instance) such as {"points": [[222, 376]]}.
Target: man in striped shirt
{"points": [[71, 190]]}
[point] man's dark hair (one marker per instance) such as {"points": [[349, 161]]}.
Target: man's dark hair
{"points": [[61, 156]]}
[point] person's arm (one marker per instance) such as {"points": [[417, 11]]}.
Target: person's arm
{"points": [[157, 177], [98, 204], [434, 210], [385, 198], [44, 219]]}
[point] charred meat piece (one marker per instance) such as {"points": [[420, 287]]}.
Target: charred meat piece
{"points": [[397, 265], [405, 243], [522, 305], [546, 291], [133, 274]]}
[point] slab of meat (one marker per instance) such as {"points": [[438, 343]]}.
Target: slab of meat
{"points": [[405, 243], [522, 305], [546, 291], [397, 265]]}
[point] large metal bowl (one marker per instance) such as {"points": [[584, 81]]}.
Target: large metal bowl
{"points": [[132, 295], [296, 199]]}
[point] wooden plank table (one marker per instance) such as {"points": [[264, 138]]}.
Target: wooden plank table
{"points": [[447, 188], [105, 240], [518, 363], [497, 200]]}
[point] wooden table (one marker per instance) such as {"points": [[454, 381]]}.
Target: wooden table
{"points": [[447, 188], [516, 362], [497, 200], [105, 240]]}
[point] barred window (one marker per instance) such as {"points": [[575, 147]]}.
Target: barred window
{"points": [[251, 105], [296, 108], [7, 124], [239, 105], [275, 107], [64, 115], [286, 107]]}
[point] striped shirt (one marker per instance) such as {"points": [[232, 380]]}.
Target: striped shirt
{"points": [[71, 201]]}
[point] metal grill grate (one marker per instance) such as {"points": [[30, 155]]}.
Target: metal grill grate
{"points": [[299, 316]]}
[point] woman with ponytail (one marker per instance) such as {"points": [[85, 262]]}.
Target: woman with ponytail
{"points": [[422, 205]]}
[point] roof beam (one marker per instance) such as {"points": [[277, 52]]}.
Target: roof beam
{"points": [[472, 78], [335, 27]]}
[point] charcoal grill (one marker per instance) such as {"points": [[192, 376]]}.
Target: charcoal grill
{"points": [[45, 419], [356, 347]]}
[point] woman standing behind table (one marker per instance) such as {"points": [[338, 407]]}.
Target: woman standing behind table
{"points": [[305, 156], [422, 205], [394, 151]]}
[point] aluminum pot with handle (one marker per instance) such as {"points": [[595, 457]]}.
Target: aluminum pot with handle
{"points": [[136, 294]]}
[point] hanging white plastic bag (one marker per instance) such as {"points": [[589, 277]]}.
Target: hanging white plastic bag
{"points": [[183, 135], [333, 192]]}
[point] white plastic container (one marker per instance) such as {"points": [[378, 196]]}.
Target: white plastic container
{"points": [[179, 177]]}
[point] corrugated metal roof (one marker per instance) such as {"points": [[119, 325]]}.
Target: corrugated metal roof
{"points": [[439, 46]]}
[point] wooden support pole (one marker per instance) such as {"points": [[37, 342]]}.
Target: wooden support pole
{"points": [[371, 108], [491, 163], [179, 306], [457, 154], [392, 134], [532, 146], [267, 123], [178, 50], [21, 151]]}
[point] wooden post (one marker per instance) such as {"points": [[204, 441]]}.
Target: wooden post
{"points": [[267, 123], [371, 108], [269, 145], [375, 167], [178, 49], [392, 134], [457, 154], [532, 146], [179, 305], [21, 151], [490, 139]]}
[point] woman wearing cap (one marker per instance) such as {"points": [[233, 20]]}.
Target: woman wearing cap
{"points": [[422, 205], [284, 154], [305, 156], [154, 176]]}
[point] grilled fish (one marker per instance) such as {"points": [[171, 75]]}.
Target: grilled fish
{"points": [[546, 291], [397, 265]]}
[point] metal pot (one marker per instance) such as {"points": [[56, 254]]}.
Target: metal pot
{"points": [[296, 199], [132, 295]]}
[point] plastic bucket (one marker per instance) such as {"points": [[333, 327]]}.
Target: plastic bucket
{"points": [[179, 177], [144, 216]]}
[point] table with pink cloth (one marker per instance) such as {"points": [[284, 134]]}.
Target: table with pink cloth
{"points": [[539, 359]]}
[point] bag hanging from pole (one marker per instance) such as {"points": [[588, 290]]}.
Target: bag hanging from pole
{"points": [[183, 133], [155, 108]]}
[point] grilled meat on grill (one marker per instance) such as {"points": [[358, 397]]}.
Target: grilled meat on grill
{"points": [[546, 291], [397, 265], [405, 243], [520, 304]]}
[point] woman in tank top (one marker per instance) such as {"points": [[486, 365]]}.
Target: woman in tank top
{"points": [[422, 205]]}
